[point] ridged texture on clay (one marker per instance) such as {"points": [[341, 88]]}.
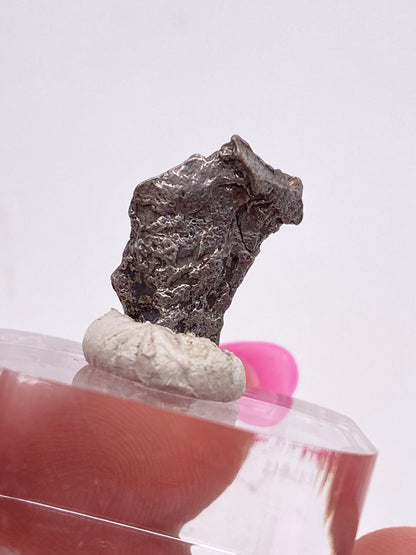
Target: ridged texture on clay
{"points": [[156, 357]]}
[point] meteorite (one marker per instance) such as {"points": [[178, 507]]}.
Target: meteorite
{"points": [[195, 231]]}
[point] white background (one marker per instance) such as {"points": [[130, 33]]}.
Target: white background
{"points": [[99, 95]]}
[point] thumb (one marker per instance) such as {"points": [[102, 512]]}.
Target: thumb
{"points": [[388, 541]]}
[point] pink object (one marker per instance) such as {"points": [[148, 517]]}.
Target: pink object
{"points": [[268, 366]]}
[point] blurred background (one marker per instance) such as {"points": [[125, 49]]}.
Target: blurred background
{"points": [[97, 96]]}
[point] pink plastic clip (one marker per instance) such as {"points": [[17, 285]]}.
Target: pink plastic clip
{"points": [[269, 367]]}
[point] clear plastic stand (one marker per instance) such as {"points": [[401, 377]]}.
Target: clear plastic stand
{"points": [[94, 464]]}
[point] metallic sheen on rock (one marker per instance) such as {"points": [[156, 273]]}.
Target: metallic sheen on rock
{"points": [[195, 231]]}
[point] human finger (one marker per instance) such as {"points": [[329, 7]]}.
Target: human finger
{"points": [[108, 457], [388, 541]]}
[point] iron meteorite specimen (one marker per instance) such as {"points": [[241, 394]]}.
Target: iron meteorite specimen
{"points": [[195, 231]]}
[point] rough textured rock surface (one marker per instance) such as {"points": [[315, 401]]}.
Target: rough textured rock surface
{"points": [[195, 231]]}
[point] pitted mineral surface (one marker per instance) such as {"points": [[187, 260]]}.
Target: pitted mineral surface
{"points": [[195, 231], [161, 359]]}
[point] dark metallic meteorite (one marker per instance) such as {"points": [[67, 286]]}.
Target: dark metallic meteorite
{"points": [[195, 231]]}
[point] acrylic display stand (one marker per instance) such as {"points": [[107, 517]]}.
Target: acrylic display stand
{"points": [[95, 464]]}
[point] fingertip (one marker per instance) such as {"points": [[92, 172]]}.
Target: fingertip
{"points": [[388, 541]]}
